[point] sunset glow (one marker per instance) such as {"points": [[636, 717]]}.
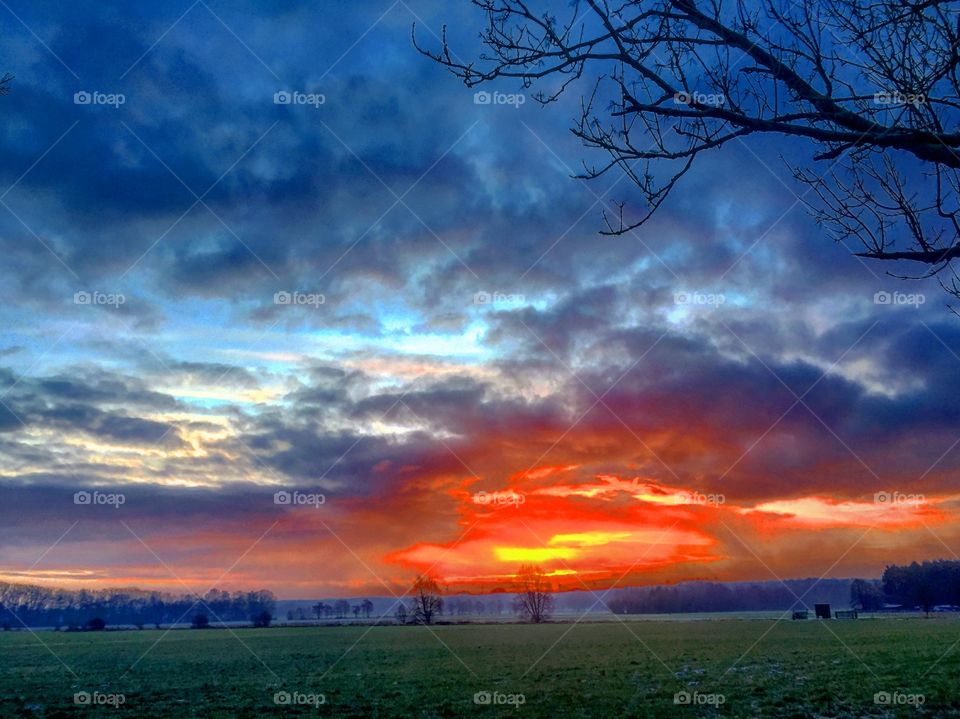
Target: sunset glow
{"points": [[392, 340]]}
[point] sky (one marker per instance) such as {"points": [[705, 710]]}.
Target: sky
{"points": [[284, 307]]}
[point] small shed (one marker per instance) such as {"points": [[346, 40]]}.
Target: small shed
{"points": [[822, 611]]}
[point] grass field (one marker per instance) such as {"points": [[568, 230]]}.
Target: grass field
{"points": [[609, 669]]}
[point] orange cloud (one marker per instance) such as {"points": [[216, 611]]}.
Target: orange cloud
{"points": [[827, 512], [613, 531]]}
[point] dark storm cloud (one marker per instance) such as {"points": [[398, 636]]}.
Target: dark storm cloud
{"points": [[86, 385], [87, 402], [317, 196], [501, 199], [776, 421], [683, 389], [154, 506], [117, 427]]}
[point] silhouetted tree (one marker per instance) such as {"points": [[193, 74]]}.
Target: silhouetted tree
{"points": [[534, 593], [871, 88], [200, 621], [427, 602], [923, 585]]}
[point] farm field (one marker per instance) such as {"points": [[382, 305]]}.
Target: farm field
{"points": [[725, 667]]}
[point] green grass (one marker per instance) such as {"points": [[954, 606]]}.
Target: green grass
{"points": [[605, 669]]}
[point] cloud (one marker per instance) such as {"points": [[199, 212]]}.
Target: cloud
{"points": [[476, 334]]}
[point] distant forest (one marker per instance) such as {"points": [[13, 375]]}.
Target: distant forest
{"points": [[915, 586], [42, 606], [724, 597]]}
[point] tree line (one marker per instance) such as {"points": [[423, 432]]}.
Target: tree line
{"points": [[24, 604], [339, 609], [914, 586], [717, 597], [426, 602], [918, 585], [343, 609]]}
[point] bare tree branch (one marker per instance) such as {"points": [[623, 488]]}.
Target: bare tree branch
{"points": [[871, 86], [534, 594]]}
